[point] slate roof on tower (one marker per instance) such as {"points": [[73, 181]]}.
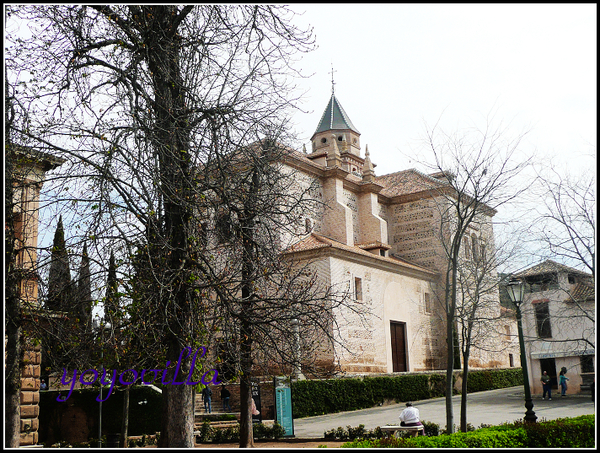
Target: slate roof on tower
{"points": [[334, 117]]}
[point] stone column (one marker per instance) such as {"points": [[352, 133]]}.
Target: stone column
{"points": [[30, 394]]}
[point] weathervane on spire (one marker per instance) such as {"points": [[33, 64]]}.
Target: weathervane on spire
{"points": [[332, 82]]}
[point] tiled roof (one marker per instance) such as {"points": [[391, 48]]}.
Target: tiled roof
{"points": [[316, 241], [406, 182], [374, 245], [311, 242], [549, 267], [582, 292]]}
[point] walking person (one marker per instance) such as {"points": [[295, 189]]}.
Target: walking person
{"points": [[562, 381], [410, 417], [546, 385], [225, 395], [206, 397]]}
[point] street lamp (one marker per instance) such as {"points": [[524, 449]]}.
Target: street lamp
{"points": [[516, 291], [102, 326]]}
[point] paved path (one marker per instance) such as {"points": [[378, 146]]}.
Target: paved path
{"points": [[492, 407]]}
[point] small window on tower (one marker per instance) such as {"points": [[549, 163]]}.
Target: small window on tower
{"points": [[340, 138], [323, 140]]}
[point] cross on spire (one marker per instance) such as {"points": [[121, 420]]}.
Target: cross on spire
{"points": [[332, 82]]}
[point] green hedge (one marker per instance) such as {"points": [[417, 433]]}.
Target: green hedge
{"points": [[479, 381], [337, 395], [578, 432]]}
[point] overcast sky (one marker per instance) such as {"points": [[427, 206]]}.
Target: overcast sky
{"points": [[398, 66]]}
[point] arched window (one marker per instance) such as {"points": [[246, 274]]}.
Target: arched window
{"points": [[475, 246], [482, 249], [467, 247]]}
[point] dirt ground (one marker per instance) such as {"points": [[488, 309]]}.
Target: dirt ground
{"points": [[293, 443]]}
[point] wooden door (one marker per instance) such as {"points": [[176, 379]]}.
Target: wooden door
{"points": [[398, 331]]}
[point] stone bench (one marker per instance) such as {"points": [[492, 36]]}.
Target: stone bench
{"points": [[393, 429]]}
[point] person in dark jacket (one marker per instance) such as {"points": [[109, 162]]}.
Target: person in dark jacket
{"points": [[225, 395], [206, 397]]}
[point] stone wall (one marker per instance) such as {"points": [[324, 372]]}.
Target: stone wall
{"points": [[30, 394], [267, 399]]}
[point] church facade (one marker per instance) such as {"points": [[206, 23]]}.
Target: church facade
{"points": [[377, 238]]}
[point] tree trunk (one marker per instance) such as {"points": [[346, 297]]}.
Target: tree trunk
{"points": [[170, 137], [125, 420], [449, 375], [246, 331], [464, 396], [246, 428], [450, 311], [180, 406]]}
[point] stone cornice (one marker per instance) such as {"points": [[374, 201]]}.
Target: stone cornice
{"points": [[364, 258]]}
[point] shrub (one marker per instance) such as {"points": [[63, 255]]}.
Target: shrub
{"points": [[232, 433], [353, 433], [576, 432]]}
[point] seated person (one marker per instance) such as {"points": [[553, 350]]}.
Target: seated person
{"points": [[410, 417]]}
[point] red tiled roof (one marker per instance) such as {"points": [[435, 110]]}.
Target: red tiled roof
{"points": [[582, 292], [549, 267], [407, 182]]}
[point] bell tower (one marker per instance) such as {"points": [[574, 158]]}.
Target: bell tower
{"points": [[337, 136], [335, 125]]}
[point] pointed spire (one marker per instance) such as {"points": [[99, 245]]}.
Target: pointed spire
{"points": [[335, 118], [368, 171], [344, 143], [334, 158], [332, 82]]}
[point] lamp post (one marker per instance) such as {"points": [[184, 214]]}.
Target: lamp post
{"points": [[102, 326], [516, 291]]}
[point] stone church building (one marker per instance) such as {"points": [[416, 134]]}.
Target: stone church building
{"points": [[378, 237]]}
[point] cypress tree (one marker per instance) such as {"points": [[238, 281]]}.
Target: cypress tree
{"points": [[84, 292], [111, 300], [59, 280]]}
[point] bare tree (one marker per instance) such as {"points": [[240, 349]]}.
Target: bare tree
{"points": [[138, 98], [565, 223], [562, 227], [479, 314], [477, 170]]}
